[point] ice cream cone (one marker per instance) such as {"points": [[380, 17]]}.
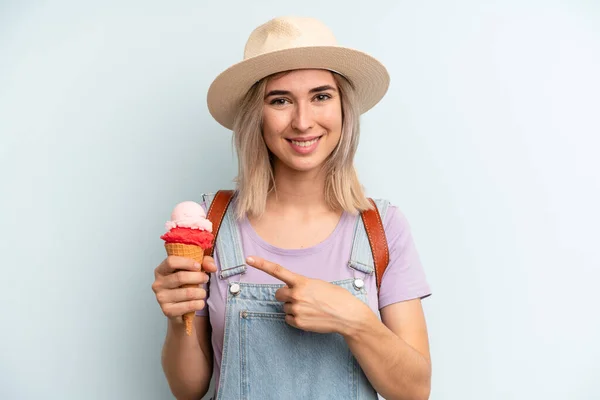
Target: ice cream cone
{"points": [[190, 251]]}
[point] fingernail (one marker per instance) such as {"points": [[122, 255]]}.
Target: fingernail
{"points": [[249, 260], [197, 265]]}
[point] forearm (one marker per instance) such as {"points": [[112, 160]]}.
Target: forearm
{"points": [[187, 369], [394, 368]]}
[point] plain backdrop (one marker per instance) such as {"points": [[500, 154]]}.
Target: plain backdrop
{"points": [[487, 140]]}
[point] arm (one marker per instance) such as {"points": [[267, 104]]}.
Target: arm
{"points": [[394, 353], [187, 360]]}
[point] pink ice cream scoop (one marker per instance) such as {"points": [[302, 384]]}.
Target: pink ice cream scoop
{"points": [[189, 214]]}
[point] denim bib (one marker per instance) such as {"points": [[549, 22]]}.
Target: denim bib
{"points": [[264, 357]]}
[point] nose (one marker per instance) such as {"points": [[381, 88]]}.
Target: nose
{"points": [[303, 118]]}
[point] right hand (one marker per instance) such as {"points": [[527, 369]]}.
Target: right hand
{"points": [[171, 275]]}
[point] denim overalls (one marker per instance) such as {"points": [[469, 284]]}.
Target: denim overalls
{"points": [[263, 356]]}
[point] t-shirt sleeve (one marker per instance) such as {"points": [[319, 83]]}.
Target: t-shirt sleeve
{"points": [[404, 278]]}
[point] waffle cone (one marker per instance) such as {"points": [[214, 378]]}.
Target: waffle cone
{"points": [[190, 251]]}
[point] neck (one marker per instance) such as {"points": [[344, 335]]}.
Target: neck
{"points": [[298, 191]]}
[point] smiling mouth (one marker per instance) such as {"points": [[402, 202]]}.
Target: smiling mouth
{"points": [[304, 143]]}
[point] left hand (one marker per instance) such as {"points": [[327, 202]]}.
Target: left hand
{"points": [[313, 304]]}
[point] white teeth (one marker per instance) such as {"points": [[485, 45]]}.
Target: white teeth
{"points": [[306, 143]]}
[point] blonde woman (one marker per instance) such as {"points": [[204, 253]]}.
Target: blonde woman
{"points": [[299, 306]]}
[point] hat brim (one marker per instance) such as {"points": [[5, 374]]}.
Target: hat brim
{"points": [[368, 76]]}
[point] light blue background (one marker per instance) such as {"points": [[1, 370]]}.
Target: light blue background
{"points": [[487, 140]]}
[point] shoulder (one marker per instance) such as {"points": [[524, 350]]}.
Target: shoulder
{"points": [[393, 219], [398, 231], [207, 198]]}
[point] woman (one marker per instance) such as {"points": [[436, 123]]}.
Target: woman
{"points": [[294, 309]]}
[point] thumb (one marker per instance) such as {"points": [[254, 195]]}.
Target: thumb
{"points": [[208, 264]]}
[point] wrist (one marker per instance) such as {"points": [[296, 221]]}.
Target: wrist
{"points": [[357, 321], [176, 325]]}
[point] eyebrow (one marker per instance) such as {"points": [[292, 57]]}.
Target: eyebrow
{"points": [[313, 90]]}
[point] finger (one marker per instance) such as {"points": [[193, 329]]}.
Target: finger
{"points": [[274, 270], [208, 264], [289, 309], [180, 278], [284, 294], [174, 263], [292, 321], [181, 294], [178, 309]]}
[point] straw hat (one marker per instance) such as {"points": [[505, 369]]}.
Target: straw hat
{"points": [[289, 43]]}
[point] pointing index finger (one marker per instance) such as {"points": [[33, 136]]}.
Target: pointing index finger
{"points": [[275, 270]]}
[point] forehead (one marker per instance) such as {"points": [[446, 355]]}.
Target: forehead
{"points": [[301, 79]]}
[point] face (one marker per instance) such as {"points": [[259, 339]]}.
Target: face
{"points": [[302, 118]]}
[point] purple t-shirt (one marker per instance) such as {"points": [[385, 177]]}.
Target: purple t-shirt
{"points": [[404, 278]]}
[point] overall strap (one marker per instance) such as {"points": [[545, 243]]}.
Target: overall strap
{"points": [[370, 252], [227, 236], [219, 203]]}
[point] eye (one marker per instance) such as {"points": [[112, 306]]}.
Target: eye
{"points": [[322, 97], [278, 102]]}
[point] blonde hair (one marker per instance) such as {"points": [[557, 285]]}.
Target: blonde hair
{"points": [[343, 190]]}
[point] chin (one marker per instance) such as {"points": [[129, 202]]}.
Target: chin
{"points": [[303, 165]]}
